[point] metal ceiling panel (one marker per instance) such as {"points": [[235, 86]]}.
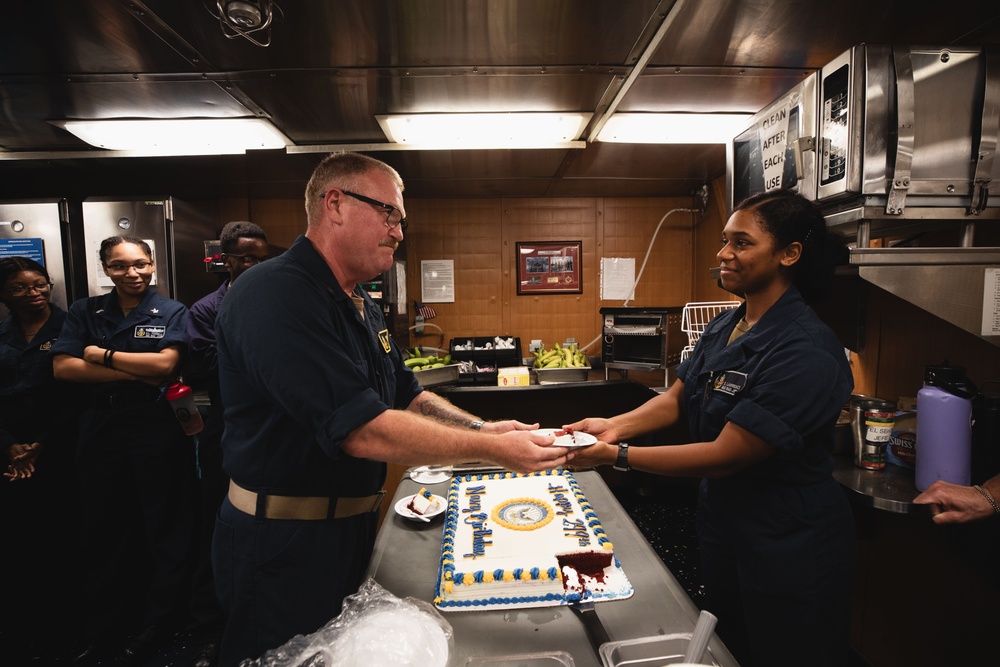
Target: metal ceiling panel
{"points": [[476, 172], [344, 105], [709, 89], [332, 66], [317, 34], [652, 163], [60, 38]]}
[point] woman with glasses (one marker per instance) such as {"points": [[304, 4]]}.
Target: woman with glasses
{"points": [[136, 464], [38, 491]]}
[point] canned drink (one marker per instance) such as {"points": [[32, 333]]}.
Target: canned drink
{"points": [[874, 457], [878, 430]]}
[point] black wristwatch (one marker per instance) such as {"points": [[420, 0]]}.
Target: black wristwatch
{"points": [[477, 425], [621, 463]]}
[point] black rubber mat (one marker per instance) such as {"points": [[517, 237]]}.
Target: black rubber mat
{"points": [[664, 512]]}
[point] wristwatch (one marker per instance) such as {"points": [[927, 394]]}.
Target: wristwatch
{"points": [[621, 463], [476, 425]]}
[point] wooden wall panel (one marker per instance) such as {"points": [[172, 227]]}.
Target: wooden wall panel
{"points": [[481, 235], [629, 226], [234, 209], [468, 233], [551, 318], [902, 339], [708, 235], [283, 220]]}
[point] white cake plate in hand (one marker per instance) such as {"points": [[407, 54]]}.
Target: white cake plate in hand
{"points": [[564, 439]]}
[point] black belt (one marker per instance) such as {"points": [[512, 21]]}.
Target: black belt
{"points": [[120, 400]]}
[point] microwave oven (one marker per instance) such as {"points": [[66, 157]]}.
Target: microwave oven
{"points": [[775, 149], [889, 126], [909, 125]]}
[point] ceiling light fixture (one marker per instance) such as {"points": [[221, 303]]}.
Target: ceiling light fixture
{"points": [[458, 131], [178, 136], [673, 128]]}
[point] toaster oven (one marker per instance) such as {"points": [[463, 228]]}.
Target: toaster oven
{"points": [[645, 339]]}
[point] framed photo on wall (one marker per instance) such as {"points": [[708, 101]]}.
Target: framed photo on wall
{"points": [[549, 267]]}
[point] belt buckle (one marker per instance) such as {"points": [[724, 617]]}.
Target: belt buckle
{"points": [[378, 500]]}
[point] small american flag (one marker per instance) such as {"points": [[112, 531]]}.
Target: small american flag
{"points": [[425, 312]]}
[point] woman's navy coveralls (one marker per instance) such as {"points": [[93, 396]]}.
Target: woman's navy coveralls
{"points": [[132, 452], [777, 539], [40, 515]]}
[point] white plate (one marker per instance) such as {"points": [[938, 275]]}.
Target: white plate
{"points": [[427, 475], [575, 440], [402, 511]]}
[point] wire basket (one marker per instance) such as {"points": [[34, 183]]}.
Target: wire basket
{"points": [[695, 317]]}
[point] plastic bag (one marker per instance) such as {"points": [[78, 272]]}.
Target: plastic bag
{"points": [[374, 628]]}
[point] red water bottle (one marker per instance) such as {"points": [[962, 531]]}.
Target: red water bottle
{"points": [[181, 399]]}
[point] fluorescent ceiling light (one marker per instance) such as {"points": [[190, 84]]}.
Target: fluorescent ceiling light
{"points": [[673, 128], [177, 136], [486, 130]]}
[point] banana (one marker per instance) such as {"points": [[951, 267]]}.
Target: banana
{"points": [[559, 357], [414, 362]]}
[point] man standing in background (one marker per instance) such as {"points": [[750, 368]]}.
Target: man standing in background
{"points": [[244, 245]]}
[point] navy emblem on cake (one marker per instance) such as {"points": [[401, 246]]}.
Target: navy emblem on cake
{"points": [[523, 513]]}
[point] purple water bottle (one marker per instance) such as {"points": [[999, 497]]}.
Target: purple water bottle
{"points": [[944, 427]]}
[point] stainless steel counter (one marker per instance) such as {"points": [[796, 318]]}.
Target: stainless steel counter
{"points": [[405, 562], [892, 488]]}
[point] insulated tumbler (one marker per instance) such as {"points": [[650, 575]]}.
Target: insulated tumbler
{"points": [[944, 427]]}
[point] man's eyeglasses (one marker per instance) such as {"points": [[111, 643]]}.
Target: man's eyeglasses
{"points": [[248, 260], [393, 217], [21, 290], [122, 269]]}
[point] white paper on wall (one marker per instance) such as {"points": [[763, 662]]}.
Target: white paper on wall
{"points": [[437, 281], [991, 303], [617, 277]]}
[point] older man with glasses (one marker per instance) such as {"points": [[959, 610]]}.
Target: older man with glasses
{"points": [[317, 401]]}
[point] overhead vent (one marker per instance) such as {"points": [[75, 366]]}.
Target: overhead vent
{"points": [[246, 18]]}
